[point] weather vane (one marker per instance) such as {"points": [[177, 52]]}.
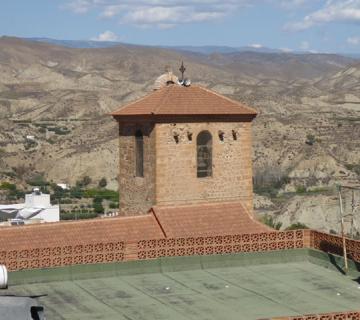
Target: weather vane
{"points": [[182, 70]]}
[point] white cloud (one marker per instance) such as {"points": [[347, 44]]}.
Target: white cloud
{"points": [[304, 45], [286, 50], [353, 40], [106, 36], [333, 11], [79, 6], [163, 14], [111, 11], [256, 46], [295, 4]]}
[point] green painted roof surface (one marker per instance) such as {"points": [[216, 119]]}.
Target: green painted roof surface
{"points": [[241, 287]]}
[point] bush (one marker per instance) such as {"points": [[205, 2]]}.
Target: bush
{"points": [[269, 180], [50, 141], [113, 205], [7, 186], [76, 192], [98, 207], [300, 189], [37, 181], [269, 221], [66, 201], [103, 194], [59, 192], [28, 144], [85, 181], [102, 183], [9, 174], [59, 130], [353, 167], [77, 215], [310, 139], [296, 226]]}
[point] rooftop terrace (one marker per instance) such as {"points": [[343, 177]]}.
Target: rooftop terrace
{"points": [[241, 286]]}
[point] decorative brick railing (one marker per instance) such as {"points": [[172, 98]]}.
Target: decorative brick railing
{"points": [[352, 315], [267, 241], [106, 252], [58, 256], [333, 244]]}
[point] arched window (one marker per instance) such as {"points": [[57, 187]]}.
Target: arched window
{"points": [[204, 154], [139, 153]]}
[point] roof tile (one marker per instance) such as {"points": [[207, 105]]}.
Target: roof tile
{"points": [[207, 220], [180, 100]]}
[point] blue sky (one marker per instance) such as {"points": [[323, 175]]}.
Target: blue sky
{"points": [[311, 25]]}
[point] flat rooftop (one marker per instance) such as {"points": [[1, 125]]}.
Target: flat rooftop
{"points": [[243, 287]]}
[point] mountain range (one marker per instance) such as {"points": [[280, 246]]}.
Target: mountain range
{"points": [[306, 137]]}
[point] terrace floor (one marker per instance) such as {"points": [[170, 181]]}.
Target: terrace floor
{"points": [[241, 287]]}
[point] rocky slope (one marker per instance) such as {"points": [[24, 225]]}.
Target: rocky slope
{"points": [[54, 103]]}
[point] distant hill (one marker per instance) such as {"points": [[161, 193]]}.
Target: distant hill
{"points": [[77, 43], [196, 49], [206, 50], [306, 134]]}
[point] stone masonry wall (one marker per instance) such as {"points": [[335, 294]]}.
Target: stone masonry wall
{"points": [[176, 175], [137, 194]]}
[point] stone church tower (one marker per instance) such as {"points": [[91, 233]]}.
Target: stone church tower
{"points": [[184, 145]]}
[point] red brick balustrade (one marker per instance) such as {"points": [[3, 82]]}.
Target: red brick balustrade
{"points": [[47, 257], [255, 242], [333, 244], [352, 315], [34, 257]]}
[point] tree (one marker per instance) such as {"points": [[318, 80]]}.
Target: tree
{"points": [[76, 192], [97, 205], [86, 180], [310, 139], [83, 182], [102, 183], [296, 226], [269, 221]]}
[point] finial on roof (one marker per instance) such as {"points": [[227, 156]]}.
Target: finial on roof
{"points": [[182, 69]]}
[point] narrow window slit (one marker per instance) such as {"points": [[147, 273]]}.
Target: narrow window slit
{"points": [[139, 153], [204, 154]]}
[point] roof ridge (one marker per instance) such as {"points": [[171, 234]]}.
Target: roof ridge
{"points": [[114, 113], [76, 222], [157, 108], [222, 203], [252, 218]]}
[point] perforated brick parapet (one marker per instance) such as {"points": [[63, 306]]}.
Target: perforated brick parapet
{"points": [[90, 252], [352, 315], [46, 257], [255, 242]]}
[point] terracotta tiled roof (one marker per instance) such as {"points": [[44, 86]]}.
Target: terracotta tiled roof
{"points": [[207, 219], [125, 229], [179, 221], [180, 100]]}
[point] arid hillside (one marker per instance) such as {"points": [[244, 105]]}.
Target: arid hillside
{"points": [[54, 105]]}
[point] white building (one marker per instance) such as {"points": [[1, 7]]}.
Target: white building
{"points": [[37, 208], [63, 186]]}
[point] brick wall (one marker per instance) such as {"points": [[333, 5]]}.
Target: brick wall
{"points": [[176, 176], [137, 194]]}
